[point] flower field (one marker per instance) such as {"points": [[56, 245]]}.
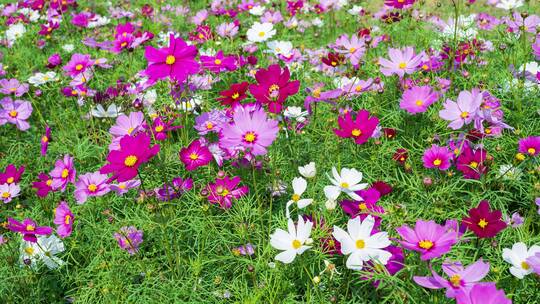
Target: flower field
{"points": [[242, 151]]}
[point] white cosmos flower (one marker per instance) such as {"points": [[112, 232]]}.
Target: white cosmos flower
{"points": [[43, 250], [348, 182], [308, 171], [299, 187], [509, 4], [257, 10], [296, 113], [517, 256], [360, 245], [355, 10], [111, 112], [261, 32], [15, 31], [68, 47], [291, 242], [280, 47], [42, 78]]}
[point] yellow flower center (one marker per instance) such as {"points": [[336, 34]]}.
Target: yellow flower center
{"points": [[473, 165], [333, 63], [482, 223], [419, 102], [30, 228], [170, 60], [296, 197], [360, 244], [531, 151], [225, 192], [362, 207], [209, 125], [261, 34], [67, 219], [130, 161], [29, 250], [525, 266], [344, 185], [44, 139], [455, 280], [235, 95], [49, 182], [358, 89], [437, 162], [6, 195], [352, 50], [123, 44], [159, 128], [464, 114], [356, 132], [487, 130], [520, 156], [425, 244], [65, 173], [402, 65], [317, 93], [13, 113], [10, 180], [425, 67], [296, 244], [122, 186], [217, 61], [193, 156], [92, 187], [250, 137], [79, 67]]}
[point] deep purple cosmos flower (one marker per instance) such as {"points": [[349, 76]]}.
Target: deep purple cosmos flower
{"points": [[235, 94], [428, 238], [125, 162], [484, 222], [195, 155], [123, 187], [482, 293], [177, 61], [437, 157], [530, 145], [224, 190], [273, 87], [28, 228], [63, 219], [175, 189], [91, 184], [360, 129], [251, 131], [63, 173], [129, 239], [459, 278], [418, 99], [15, 112]]}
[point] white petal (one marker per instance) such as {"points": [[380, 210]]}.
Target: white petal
{"points": [[332, 192], [286, 256], [303, 203], [281, 240], [299, 185], [354, 262]]}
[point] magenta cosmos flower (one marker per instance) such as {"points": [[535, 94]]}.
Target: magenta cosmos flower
{"points": [[463, 111], [401, 62], [484, 222], [195, 155], [45, 140], [91, 184], [63, 219], [218, 63], [472, 162], [273, 87], [429, 238], [28, 228], [459, 278], [63, 173], [177, 61], [44, 185], [78, 64], [418, 99], [15, 112], [360, 129], [11, 174], [129, 239], [224, 190], [482, 293], [250, 131], [437, 157], [530, 145], [124, 163]]}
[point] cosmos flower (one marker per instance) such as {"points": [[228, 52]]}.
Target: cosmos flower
{"points": [[417, 99], [195, 155], [11, 174], [299, 187], [273, 87], [437, 157], [234, 95], [78, 65], [125, 162], [128, 125], [484, 222], [63, 218], [360, 128], [518, 256], [347, 182], [472, 162], [123, 187], [401, 62], [459, 278], [352, 49], [428, 238], [224, 190], [28, 228], [308, 171], [399, 4], [366, 207], [260, 32], [45, 139], [63, 173], [129, 239], [530, 145], [361, 245], [13, 86], [482, 293], [8, 192], [44, 185], [43, 250], [463, 111], [291, 242], [177, 61], [91, 185], [218, 63], [15, 112]]}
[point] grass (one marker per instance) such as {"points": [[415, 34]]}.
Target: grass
{"points": [[186, 256]]}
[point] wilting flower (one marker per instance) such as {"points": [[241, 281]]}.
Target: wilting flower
{"points": [[63, 173], [195, 155], [177, 61], [44, 249], [418, 99], [482, 293], [260, 32], [273, 87], [9, 192], [291, 242], [347, 182], [15, 112], [459, 278], [361, 245], [463, 111], [437, 157], [129, 239], [428, 238], [175, 189], [28, 228], [360, 129], [91, 184], [124, 163], [401, 62], [530, 145], [299, 187], [308, 171], [63, 218], [224, 190], [45, 140], [517, 256]]}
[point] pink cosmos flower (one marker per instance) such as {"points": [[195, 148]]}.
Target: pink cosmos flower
{"points": [[459, 278], [428, 238], [44, 185], [399, 4], [11, 174], [437, 157], [28, 228], [63, 173], [273, 87], [482, 293], [401, 62], [13, 86], [218, 63], [417, 99], [8, 192], [177, 61], [63, 218], [124, 163], [129, 239], [250, 131], [91, 184], [530, 145], [15, 112], [224, 190], [195, 155], [353, 48], [360, 129], [128, 125], [78, 64], [463, 111], [227, 30], [123, 187]]}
